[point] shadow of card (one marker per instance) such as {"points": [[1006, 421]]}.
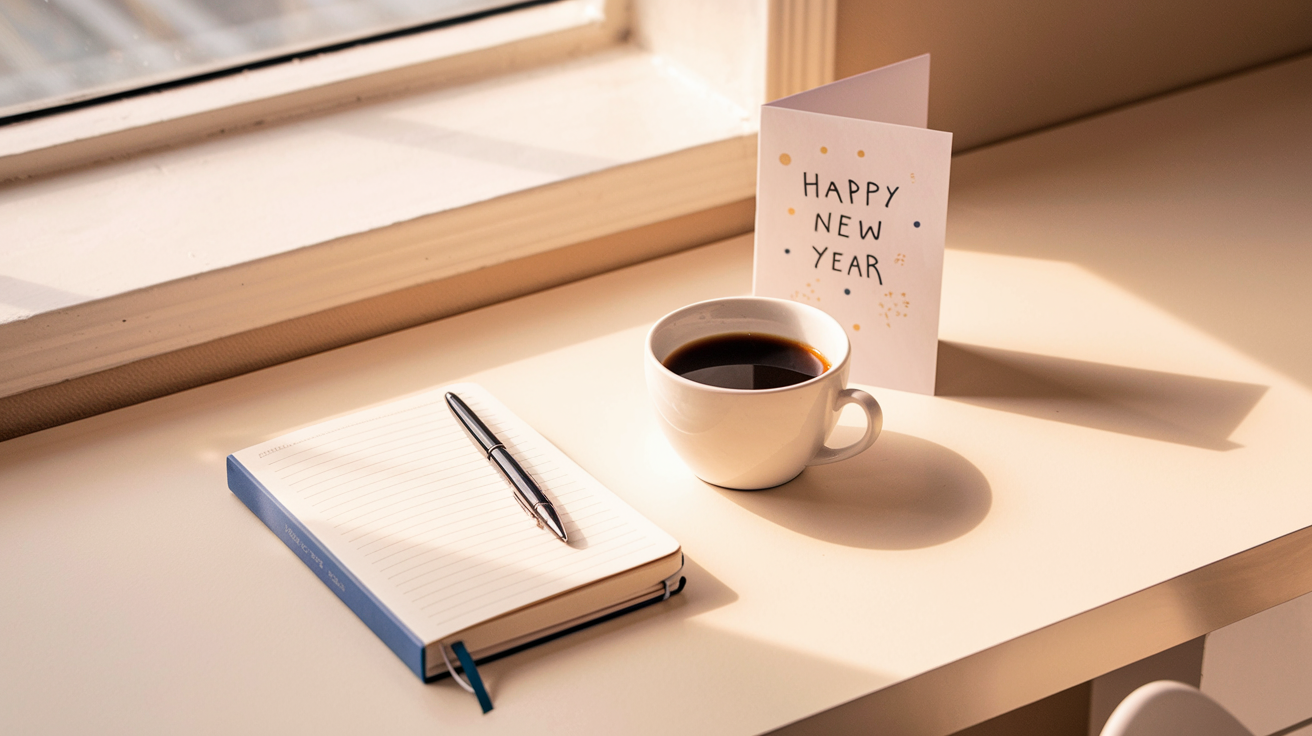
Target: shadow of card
{"points": [[1171, 407]]}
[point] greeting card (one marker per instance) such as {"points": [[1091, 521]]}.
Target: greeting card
{"points": [[851, 211]]}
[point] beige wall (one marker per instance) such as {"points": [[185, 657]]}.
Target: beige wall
{"points": [[1004, 67]]}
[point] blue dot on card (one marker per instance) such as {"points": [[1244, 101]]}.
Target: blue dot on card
{"points": [[847, 291], [787, 251], [916, 223]]}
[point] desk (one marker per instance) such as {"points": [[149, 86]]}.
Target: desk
{"points": [[1116, 464]]}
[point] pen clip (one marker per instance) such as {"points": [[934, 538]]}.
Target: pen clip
{"points": [[527, 510]]}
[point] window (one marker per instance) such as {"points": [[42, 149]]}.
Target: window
{"points": [[152, 226], [69, 51]]}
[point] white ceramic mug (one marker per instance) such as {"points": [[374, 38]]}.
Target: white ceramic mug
{"points": [[758, 438]]}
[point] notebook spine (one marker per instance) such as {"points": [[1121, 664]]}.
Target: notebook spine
{"points": [[328, 568]]}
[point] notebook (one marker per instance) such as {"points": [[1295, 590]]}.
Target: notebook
{"points": [[402, 516]]}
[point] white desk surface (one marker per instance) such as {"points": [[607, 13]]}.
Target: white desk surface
{"points": [[1122, 430]]}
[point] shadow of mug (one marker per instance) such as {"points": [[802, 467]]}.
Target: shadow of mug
{"points": [[902, 493]]}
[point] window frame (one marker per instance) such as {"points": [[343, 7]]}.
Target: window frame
{"points": [[110, 352]]}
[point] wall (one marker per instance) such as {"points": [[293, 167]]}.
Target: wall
{"points": [[1004, 67]]}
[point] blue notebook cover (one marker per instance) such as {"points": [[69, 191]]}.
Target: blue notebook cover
{"points": [[339, 580]]}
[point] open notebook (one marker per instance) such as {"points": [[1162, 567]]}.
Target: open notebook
{"points": [[403, 517]]}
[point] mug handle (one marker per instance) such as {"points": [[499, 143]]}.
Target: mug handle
{"points": [[874, 423]]}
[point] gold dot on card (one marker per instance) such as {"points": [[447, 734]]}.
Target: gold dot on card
{"points": [[823, 149], [856, 327], [792, 211], [860, 154], [785, 159]]}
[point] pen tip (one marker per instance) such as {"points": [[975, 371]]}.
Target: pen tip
{"points": [[553, 522]]}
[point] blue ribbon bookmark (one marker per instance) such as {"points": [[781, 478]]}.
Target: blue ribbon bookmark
{"points": [[471, 673]]}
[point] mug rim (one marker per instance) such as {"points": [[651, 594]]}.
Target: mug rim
{"points": [[833, 369]]}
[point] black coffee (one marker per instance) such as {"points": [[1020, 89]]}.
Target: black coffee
{"points": [[747, 361]]}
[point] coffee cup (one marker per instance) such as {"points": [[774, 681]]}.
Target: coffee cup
{"points": [[757, 428]]}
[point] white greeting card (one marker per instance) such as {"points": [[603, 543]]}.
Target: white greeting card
{"points": [[851, 211]]}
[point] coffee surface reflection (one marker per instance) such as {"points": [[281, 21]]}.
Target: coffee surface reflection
{"points": [[744, 360]]}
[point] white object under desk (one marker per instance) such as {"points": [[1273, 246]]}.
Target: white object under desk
{"points": [[1114, 466]]}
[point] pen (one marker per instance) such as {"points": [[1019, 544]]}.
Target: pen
{"points": [[526, 492]]}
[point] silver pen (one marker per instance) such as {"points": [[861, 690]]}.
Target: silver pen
{"points": [[534, 502]]}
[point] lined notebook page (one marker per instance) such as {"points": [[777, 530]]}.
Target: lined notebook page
{"points": [[402, 496]]}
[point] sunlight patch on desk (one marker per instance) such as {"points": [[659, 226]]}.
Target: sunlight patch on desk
{"points": [[662, 459], [1188, 203], [1055, 340]]}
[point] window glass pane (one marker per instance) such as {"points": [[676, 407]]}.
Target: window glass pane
{"points": [[54, 52]]}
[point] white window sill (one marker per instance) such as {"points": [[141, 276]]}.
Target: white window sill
{"points": [[113, 263]]}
